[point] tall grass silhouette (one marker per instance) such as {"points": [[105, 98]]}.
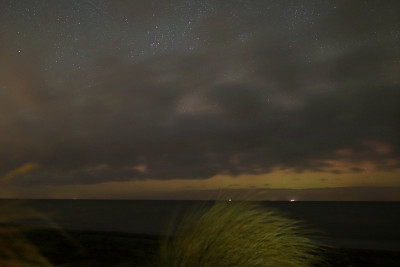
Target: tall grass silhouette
{"points": [[238, 234], [15, 249]]}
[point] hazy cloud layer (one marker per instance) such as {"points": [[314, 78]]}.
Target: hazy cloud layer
{"points": [[275, 98]]}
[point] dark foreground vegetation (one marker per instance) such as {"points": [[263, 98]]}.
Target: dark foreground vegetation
{"points": [[85, 248], [224, 234]]}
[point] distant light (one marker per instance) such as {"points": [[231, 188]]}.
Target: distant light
{"points": [[292, 200], [230, 200]]}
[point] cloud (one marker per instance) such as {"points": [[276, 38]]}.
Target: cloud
{"points": [[238, 107]]}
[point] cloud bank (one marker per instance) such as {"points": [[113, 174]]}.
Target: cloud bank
{"points": [[240, 105]]}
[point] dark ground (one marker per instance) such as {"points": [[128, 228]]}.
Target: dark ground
{"points": [[84, 248]]}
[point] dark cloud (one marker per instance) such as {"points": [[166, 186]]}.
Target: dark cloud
{"points": [[275, 99], [355, 169]]}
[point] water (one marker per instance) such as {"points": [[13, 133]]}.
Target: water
{"points": [[347, 224]]}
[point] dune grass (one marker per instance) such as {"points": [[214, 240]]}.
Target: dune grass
{"points": [[15, 249], [238, 234]]}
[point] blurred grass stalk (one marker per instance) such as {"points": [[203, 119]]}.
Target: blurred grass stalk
{"points": [[15, 249], [238, 234]]}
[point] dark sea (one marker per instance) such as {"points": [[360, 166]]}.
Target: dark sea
{"points": [[365, 225]]}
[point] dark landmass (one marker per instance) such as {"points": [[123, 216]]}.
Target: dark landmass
{"points": [[95, 248]]}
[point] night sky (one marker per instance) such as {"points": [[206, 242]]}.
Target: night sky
{"points": [[178, 99]]}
